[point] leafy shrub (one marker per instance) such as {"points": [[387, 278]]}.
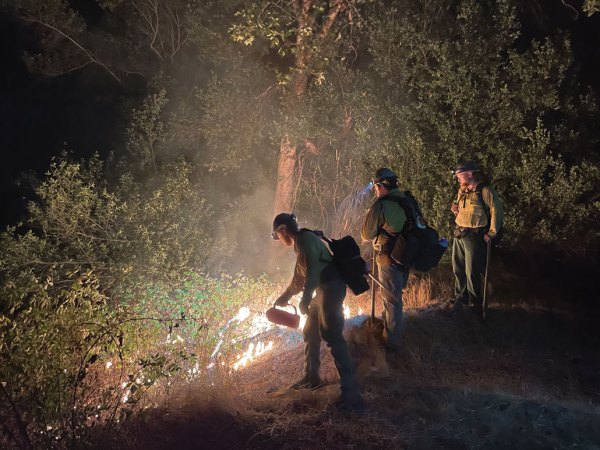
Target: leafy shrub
{"points": [[460, 82], [100, 305]]}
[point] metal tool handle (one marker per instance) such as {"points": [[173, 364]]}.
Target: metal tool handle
{"points": [[485, 277], [373, 269], [289, 304]]}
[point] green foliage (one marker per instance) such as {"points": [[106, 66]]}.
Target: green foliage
{"points": [[591, 7], [147, 131], [73, 359], [312, 33], [84, 332], [441, 73]]}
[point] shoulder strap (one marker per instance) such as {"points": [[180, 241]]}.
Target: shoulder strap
{"points": [[319, 233], [479, 192], [480, 186], [410, 206]]}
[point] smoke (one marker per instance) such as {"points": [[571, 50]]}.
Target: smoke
{"points": [[350, 213]]}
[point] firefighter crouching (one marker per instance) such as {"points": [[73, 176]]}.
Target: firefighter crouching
{"points": [[314, 272]]}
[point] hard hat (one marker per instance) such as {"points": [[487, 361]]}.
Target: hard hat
{"points": [[289, 220], [384, 174], [465, 166]]}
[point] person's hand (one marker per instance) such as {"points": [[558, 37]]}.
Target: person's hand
{"points": [[303, 306], [282, 301], [487, 237], [454, 208]]}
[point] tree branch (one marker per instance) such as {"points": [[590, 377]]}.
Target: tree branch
{"points": [[93, 58], [331, 16]]}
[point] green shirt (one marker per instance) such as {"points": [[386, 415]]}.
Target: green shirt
{"points": [[387, 214], [312, 257]]}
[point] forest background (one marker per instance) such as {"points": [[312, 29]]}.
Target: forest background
{"points": [[201, 119]]}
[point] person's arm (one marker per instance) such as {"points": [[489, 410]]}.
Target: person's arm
{"points": [[309, 252], [494, 205], [293, 288], [454, 207], [370, 228]]}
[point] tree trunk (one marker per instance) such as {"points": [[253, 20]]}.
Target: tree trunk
{"points": [[284, 190]]}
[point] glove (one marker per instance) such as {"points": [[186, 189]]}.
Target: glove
{"points": [[303, 306], [282, 300]]}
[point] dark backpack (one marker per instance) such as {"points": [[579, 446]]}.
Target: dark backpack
{"points": [[418, 246], [346, 258], [500, 232]]}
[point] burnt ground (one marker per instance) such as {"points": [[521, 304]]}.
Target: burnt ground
{"points": [[527, 378]]}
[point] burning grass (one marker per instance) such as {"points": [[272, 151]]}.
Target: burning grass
{"points": [[525, 379]]}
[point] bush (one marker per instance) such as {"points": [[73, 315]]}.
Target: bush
{"points": [[100, 305], [460, 82]]}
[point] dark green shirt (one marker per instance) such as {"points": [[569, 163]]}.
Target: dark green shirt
{"points": [[312, 257]]}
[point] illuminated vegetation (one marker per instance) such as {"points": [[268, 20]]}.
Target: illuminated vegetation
{"points": [[128, 279]]}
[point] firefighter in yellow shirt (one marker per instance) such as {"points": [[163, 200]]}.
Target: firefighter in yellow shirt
{"points": [[478, 217]]}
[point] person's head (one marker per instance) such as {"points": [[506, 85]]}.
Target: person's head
{"points": [[285, 229], [385, 180], [467, 173]]}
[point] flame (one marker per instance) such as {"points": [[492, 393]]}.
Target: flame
{"points": [[302, 322], [243, 314], [253, 352], [346, 312]]}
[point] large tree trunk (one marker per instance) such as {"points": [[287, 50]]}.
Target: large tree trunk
{"points": [[284, 190]]}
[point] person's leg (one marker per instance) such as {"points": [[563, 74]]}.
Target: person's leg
{"points": [[394, 280], [461, 293], [312, 350], [475, 254], [331, 325]]}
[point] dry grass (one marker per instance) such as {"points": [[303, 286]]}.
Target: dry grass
{"points": [[527, 378]]}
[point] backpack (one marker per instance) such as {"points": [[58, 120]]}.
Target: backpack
{"points": [[418, 246], [500, 231], [346, 258]]}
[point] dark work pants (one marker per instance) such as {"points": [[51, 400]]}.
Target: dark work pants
{"points": [[394, 280], [468, 263], [326, 321]]}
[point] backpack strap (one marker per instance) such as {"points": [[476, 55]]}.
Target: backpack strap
{"points": [[318, 233], [479, 192], [414, 216]]}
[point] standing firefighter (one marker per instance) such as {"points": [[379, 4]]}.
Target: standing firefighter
{"points": [[384, 222], [478, 220], [314, 272]]}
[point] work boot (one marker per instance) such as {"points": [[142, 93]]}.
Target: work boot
{"points": [[350, 404], [477, 311], [307, 383]]}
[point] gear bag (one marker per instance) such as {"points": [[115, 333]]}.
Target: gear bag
{"points": [[347, 259], [499, 233], [418, 246]]}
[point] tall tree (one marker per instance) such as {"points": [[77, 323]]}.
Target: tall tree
{"points": [[307, 35]]}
